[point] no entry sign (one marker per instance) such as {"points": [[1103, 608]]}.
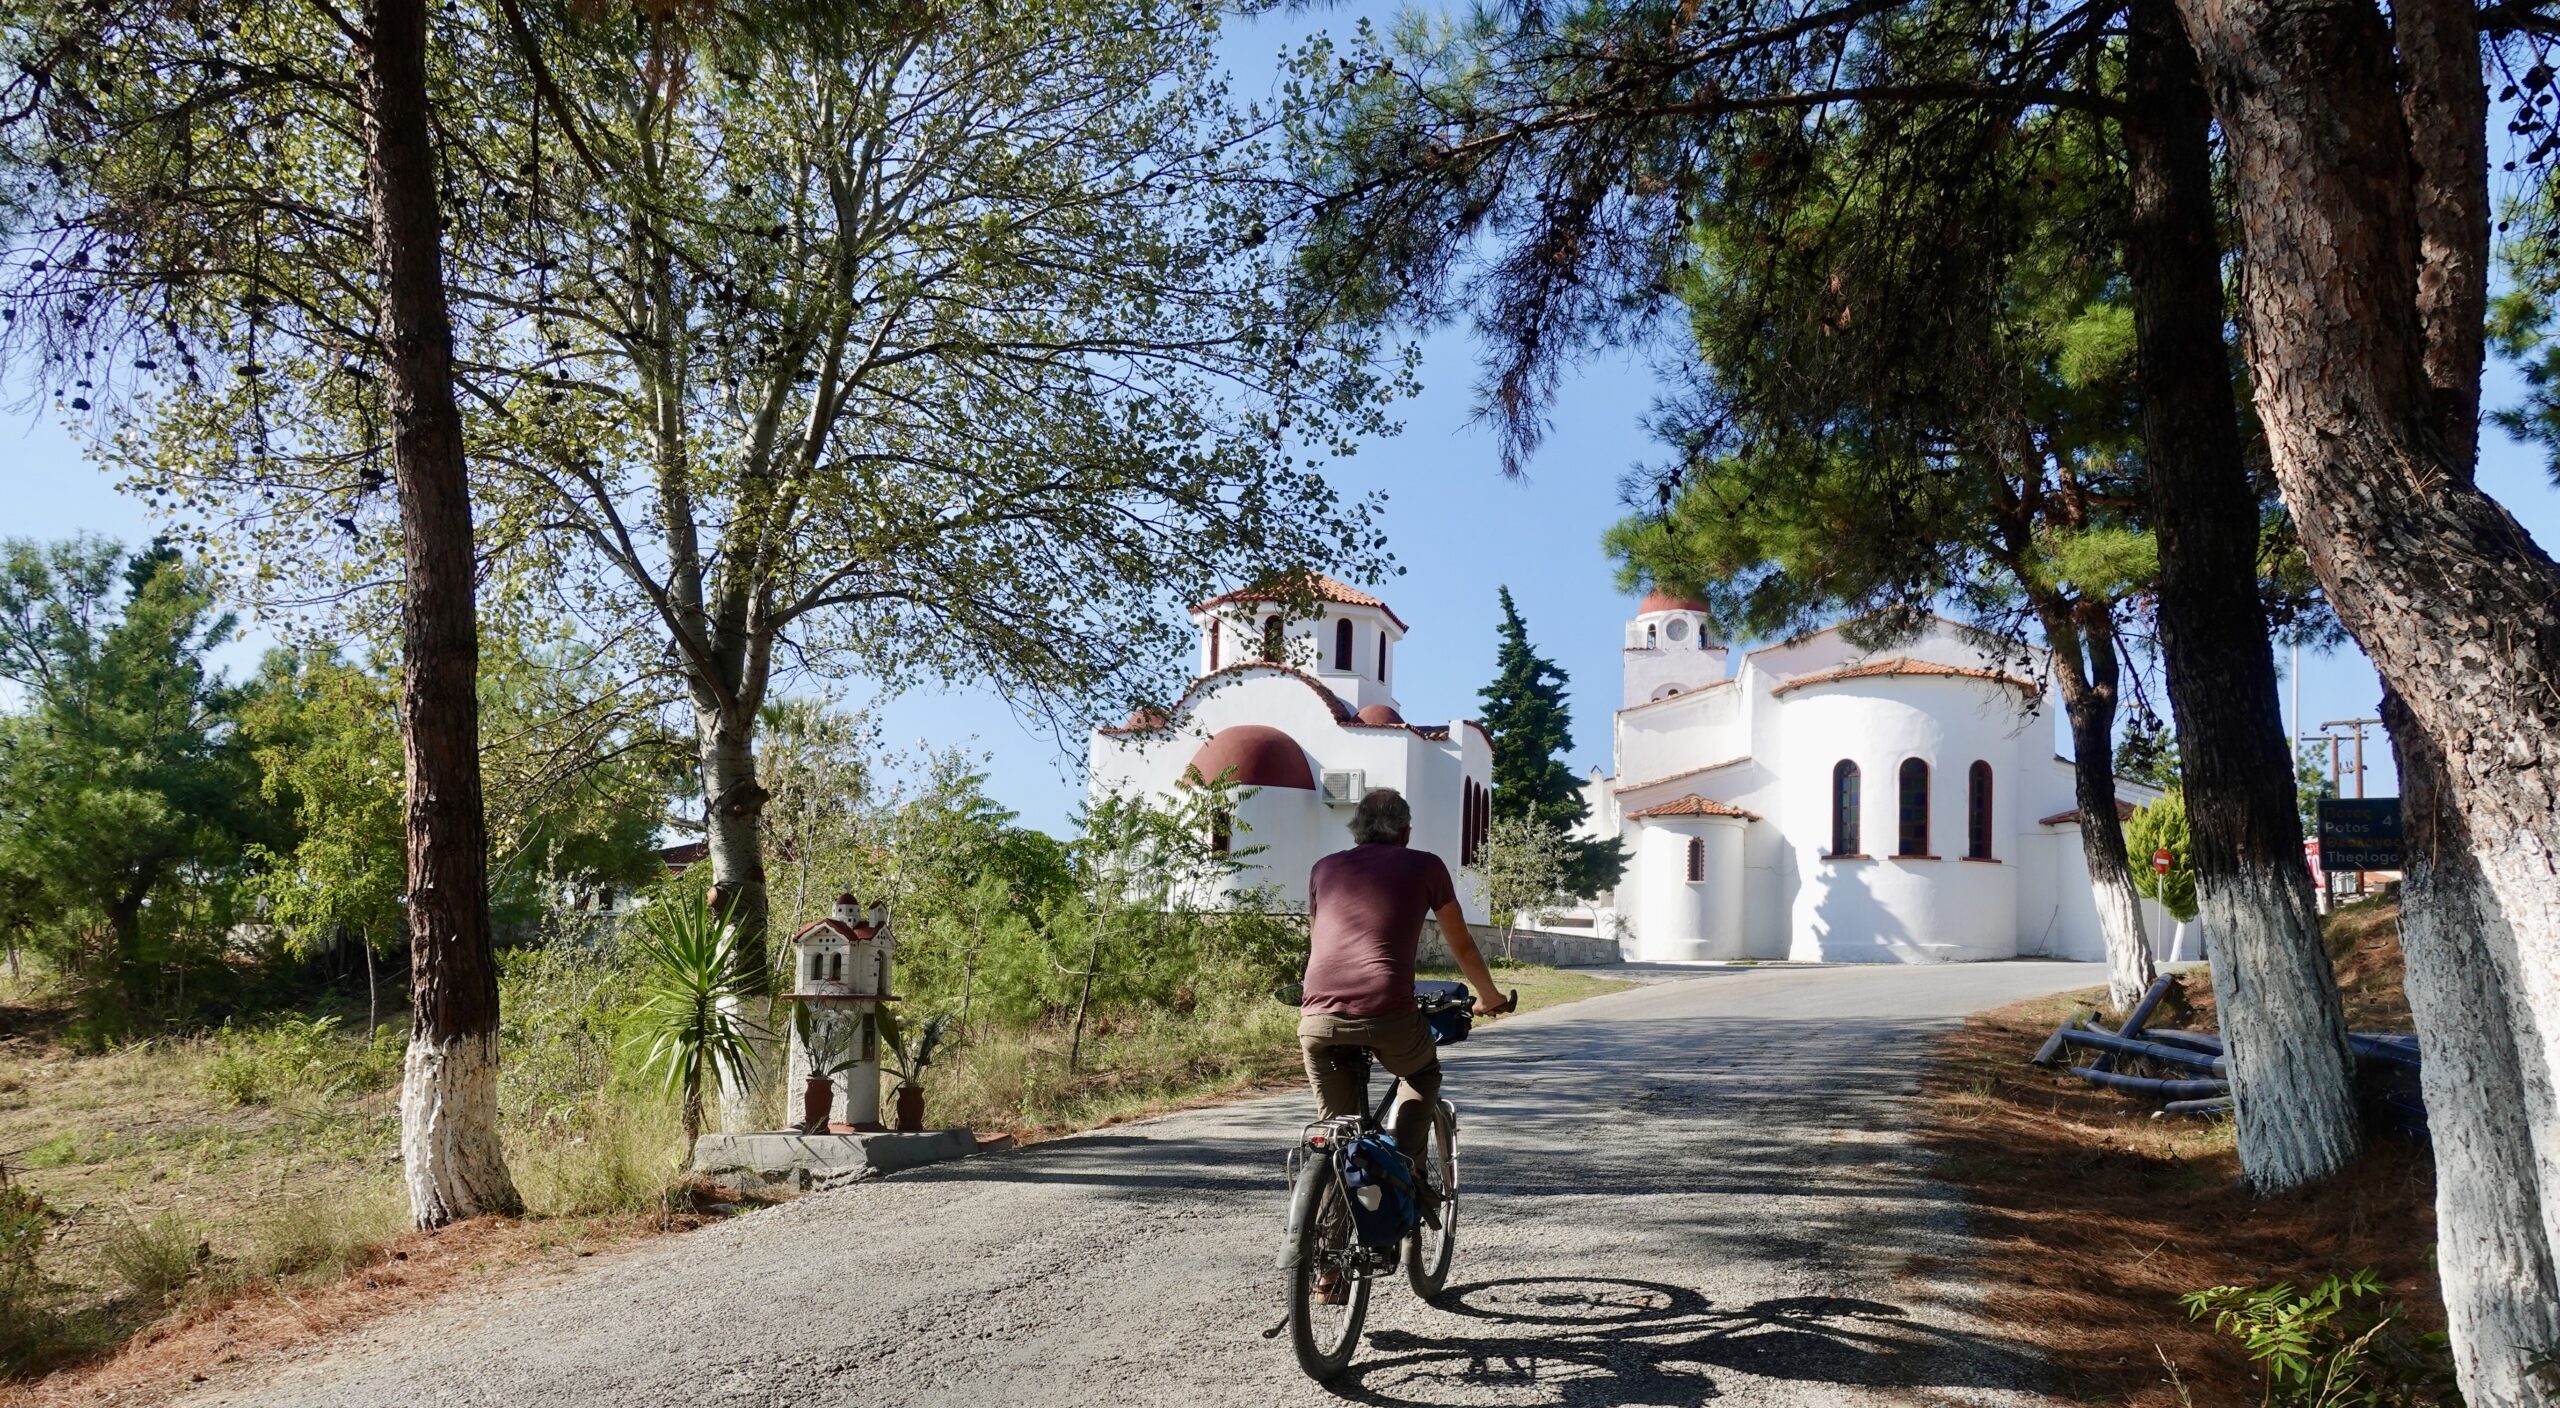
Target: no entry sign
{"points": [[2161, 860]]}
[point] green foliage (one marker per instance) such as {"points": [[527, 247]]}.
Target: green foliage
{"points": [[1525, 868], [26, 1314], [565, 1015], [305, 1056], [695, 1024], [126, 796], [2148, 751], [2339, 1343], [1532, 729], [911, 1052], [2162, 826]]}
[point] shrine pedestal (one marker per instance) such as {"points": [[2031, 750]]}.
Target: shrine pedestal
{"points": [[788, 1161]]}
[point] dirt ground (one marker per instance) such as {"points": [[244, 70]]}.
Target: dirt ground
{"points": [[2094, 1217]]}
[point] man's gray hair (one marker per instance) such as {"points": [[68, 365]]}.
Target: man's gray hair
{"points": [[1381, 816]]}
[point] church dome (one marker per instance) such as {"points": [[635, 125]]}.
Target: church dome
{"points": [[1660, 600], [1381, 715], [1261, 756]]}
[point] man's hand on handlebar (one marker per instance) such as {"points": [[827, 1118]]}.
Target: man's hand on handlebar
{"points": [[1488, 1005]]}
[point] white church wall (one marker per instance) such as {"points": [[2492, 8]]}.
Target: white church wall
{"points": [[1679, 920], [1292, 825], [1678, 734], [1885, 909], [2043, 925]]}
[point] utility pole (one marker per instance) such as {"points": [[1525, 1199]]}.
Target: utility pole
{"points": [[2359, 726]]}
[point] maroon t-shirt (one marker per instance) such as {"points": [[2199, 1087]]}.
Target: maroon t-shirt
{"points": [[1365, 910]]}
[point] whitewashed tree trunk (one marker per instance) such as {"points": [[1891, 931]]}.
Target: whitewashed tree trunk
{"points": [[733, 818], [2491, 1114], [2281, 1018], [449, 1146], [2129, 966], [2283, 1027]]}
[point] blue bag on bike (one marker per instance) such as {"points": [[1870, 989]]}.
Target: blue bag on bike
{"points": [[1449, 1024], [1380, 1182]]}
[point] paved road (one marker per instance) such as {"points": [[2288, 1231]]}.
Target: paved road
{"points": [[1691, 1190]]}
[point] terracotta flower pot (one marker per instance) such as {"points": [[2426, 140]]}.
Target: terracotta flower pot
{"points": [[911, 1109], [817, 1101]]}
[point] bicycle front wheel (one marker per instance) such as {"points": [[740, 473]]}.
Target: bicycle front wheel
{"points": [[1324, 1335], [1429, 1251]]}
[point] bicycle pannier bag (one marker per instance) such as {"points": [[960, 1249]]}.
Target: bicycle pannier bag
{"points": [[1379, 1180]]}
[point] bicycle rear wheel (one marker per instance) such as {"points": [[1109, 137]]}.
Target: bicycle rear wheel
{"points": [[1429, 1251], [1324, 1336]]}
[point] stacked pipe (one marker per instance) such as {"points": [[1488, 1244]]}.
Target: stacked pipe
{"points": [[2387, 1064]]}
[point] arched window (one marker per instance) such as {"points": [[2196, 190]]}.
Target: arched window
{"points": [[1214, 634], [1649, 641], [1270, 637], [1382, 657], [1844, 808], [1913, 837], [1977, 811], [1342, 644], [1467, 822], [1222, 831], [1697, 859]]}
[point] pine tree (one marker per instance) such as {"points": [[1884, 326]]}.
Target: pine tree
{"points": [[1524, 711]]}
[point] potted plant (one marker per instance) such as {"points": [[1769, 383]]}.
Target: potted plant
{"points": [[909, 1054], [825, 1061]]}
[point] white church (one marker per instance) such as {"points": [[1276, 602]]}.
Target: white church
{"points": [[1808, 801]]}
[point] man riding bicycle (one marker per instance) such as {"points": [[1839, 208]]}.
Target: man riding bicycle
{"points": [[1365, 910]]}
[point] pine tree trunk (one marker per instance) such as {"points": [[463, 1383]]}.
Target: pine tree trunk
{"points": [[2281, 1019], [449, 1089], [2491, 1115], [2087, 672]]}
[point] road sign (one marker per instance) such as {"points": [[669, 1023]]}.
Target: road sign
{"points": [[2161, 860], [2359, 833]]}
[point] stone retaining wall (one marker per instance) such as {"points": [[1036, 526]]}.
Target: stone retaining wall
{"points": [[1552, 949]]}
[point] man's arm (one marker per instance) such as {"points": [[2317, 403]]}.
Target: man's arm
{"points": [[1462, 947]]}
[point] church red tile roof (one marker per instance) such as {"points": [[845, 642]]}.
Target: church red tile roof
{"points": [[1692, 805], [1253, 755], [1660, 600], [1320, 586], [2124, 812], [1149, 719], [1901, 666], [1676, 776]]}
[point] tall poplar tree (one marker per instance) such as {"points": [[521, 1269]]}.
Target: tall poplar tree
{"points": [[1532, 730]]}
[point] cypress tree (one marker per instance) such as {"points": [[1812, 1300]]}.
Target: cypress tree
{"points": [[1524, 711]]}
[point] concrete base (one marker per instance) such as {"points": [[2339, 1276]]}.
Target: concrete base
{"points": [[803, 1162]]}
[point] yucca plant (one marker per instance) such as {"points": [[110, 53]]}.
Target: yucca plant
{"points": [[695, 996]]}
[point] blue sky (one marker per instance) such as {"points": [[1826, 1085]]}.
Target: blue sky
{"points": [[1460, 529]]}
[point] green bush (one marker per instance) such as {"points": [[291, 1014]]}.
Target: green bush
{"points": [[300, 1056], [155, 1259], [2340, 1344], [26, 1313], [563, 1011]]}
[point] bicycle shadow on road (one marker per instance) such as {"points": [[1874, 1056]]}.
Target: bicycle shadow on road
{"points": [[1606, 1340]]}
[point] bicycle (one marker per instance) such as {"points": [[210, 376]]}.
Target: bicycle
{"points": [[1321, 1240]]}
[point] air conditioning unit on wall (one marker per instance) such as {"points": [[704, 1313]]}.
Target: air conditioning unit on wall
{"points": [[1344, 787]]}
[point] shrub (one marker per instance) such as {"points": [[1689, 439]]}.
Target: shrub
{"points": [[299, 1055], [155, 1259], [2337, 1344], [323, 1237], [25, 1312]]}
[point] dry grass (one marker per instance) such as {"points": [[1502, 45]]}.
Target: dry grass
{"points": [[2093, 1217], [231, 1335], [1017, 1082]]}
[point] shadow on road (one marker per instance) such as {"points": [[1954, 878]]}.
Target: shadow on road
{"points": [[1605, 1340]]}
